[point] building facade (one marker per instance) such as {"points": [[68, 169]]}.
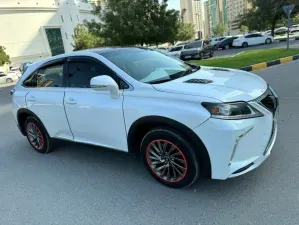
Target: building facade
{"points": [[186, 11], [32, 30], [217, 13], [198, 18], [207, 29], [235, 8]]}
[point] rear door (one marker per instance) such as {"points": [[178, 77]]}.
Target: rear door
{"points": [[260, 39], [45, 98]]}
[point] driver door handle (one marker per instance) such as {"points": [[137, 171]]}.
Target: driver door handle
{"points": [[71, 101]]}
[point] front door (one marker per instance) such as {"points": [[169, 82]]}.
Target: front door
{"points": [[45, 98], [94, 116]]}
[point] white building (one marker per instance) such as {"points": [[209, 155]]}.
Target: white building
{"points": [[192, 11], [35, 29], [234, 9]]}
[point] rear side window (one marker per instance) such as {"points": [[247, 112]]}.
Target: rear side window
{"points": [[49, 76]]}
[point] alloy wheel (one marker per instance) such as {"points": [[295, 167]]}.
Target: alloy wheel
{"points": [[35, 136], [166, 160]]}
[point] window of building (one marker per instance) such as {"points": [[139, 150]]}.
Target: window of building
{"points": [[71, 17], [62, 18], [66, 35]]}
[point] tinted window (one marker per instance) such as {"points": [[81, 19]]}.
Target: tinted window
{"points": [[50, 76], [196, 44], [249, 36], [2, 75], [82, 71]]}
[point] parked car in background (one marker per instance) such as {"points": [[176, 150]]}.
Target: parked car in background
{"points": [[176, 51], [226, 43], [280, 31], [162, 50], [253, 39], [215, 40], [185, 121], [8, 78], [197, 50], [15, 70]]}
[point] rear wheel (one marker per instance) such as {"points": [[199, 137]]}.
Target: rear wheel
{"points": [[268, 41], [9, 80], [226, 47], [245, 45], [169, 158], [38, 136]]}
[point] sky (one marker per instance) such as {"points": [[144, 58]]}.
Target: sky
{"points": [[174, 4]]}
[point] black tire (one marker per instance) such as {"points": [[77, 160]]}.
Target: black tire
{"points": [[43, 144], [211, 54], [172, 139], [9, 80], [245, 45], [268, 41], [226, 47]]}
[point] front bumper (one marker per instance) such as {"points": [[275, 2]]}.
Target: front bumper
{"points": [[236, 147], [190, 56]]}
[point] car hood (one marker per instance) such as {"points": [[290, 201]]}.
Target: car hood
{"points": [[226, 85]]}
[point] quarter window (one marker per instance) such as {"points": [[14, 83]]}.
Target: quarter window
{"points": [[82, 71]]}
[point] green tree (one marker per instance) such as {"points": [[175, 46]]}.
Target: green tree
{"points": [[266, 13], [185, 32], [131, 22], [220, 29], [4, 58], [244, 29], [83, 39]]}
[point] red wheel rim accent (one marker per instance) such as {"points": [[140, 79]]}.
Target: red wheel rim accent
{"points": [[35, 136], [171, 168]]}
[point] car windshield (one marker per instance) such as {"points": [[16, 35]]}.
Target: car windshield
{"points": [[196, 44], [146, 65], [175, 49]]}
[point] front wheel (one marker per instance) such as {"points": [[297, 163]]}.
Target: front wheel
{"points": [[9, 80], [211, 54], [169, 158], [201, 56], [268, 41], [245, 45]]}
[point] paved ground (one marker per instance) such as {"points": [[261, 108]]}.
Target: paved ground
{"points": [[230, 52], [85, 185]]}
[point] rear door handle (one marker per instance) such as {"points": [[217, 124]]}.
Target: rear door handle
{"points": [[31, 99], [71, 101]]}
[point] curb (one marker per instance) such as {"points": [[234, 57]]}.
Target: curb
{"points": [[264, 65]]}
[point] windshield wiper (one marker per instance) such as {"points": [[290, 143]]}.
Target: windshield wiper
{"points": [[159, 81]]}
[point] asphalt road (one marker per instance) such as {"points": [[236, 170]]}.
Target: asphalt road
{"points": [[234, 51], [80, 184]]}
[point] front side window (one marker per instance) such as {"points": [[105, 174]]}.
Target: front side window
{"points": [[196, 44], [147, 65], [82, 71]]}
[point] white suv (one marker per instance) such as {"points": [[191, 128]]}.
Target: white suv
{"points": [[184, 120]]}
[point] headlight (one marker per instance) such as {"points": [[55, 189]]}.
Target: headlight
{"points": [[232, 111]]}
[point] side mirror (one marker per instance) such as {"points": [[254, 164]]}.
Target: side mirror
{"points": [[103, 83]]}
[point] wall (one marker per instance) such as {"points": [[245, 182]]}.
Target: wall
{"points": [[23, 24]]}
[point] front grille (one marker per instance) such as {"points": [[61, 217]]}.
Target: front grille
{"points": [[270, 101]]}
